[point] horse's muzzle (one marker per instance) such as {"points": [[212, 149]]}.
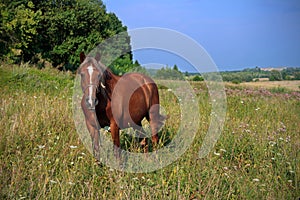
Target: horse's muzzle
{"points": [[91, 103]]}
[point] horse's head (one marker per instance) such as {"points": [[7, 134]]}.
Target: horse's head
{"points": [[90, 73]]}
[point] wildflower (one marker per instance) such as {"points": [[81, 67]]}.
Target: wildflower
{"points": [[290, 181], [73, 147], [255, 180], [41, 146], [257, 109], [217, 154], [272, 143], [242, 102], [71, 183], [223, 150]]}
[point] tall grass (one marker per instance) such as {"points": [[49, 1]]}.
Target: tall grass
{"points": [[41, 156]]}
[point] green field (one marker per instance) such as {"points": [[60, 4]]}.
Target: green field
{"points": [[42, 157]]}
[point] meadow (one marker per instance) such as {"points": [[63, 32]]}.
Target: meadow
{"points": [[42, 156]]}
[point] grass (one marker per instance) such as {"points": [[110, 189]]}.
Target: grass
{"points": [[286, 85], [42, 157]]}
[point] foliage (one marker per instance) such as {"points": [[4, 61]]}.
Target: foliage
{"points": [[197, 78], [248, 75], [257, 156], [57, 31], [169, 73]]}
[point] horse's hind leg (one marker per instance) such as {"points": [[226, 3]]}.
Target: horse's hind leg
{"points": [[141, 137], [114, 129]]}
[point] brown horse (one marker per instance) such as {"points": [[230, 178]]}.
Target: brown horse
{"points": [[117, 101]]}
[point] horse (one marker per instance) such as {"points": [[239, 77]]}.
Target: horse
{"points": [[117, 101]]}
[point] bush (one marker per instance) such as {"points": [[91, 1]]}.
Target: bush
{"points": [[198, 78]]}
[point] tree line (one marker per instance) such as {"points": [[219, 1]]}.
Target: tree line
{"points": [[255, 74], [246, 75], [57, 31]]}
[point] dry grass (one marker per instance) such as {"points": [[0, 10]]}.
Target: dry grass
{"points": [[289, 85], [41, 157]]}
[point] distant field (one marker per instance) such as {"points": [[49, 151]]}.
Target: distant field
{"points": [[42, 157], [290, 85]]}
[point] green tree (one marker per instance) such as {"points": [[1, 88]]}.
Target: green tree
{"points": [[19, 23], [175, 68], [58, 30], [275, 76], [169, 73]]}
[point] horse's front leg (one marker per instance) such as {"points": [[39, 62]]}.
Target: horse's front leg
{"points": [[93, 128], [114, 129], [94, 133]]}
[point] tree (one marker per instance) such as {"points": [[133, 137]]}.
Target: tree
{"points": [[175, 68], [275, 76], [169, 74], [19, 23], [58, 30]]}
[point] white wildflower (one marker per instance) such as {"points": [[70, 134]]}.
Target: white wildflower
{"points": [[217, 154], [41, 146], [71, 183]]}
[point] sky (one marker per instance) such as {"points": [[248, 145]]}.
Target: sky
{"points": [[236, 34]]}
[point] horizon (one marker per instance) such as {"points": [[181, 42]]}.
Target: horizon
{"points": [[160, 66]]}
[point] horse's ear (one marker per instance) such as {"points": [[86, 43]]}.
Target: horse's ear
{"points": [[98, 56], [82, 57]]}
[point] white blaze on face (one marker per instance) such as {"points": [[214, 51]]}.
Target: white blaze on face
{"points": [[90, 71]]}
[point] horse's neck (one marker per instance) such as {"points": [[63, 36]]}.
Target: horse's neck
{"points": [[111, 83]]}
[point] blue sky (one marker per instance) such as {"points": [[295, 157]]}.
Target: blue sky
{"points": [[236, 33]]}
